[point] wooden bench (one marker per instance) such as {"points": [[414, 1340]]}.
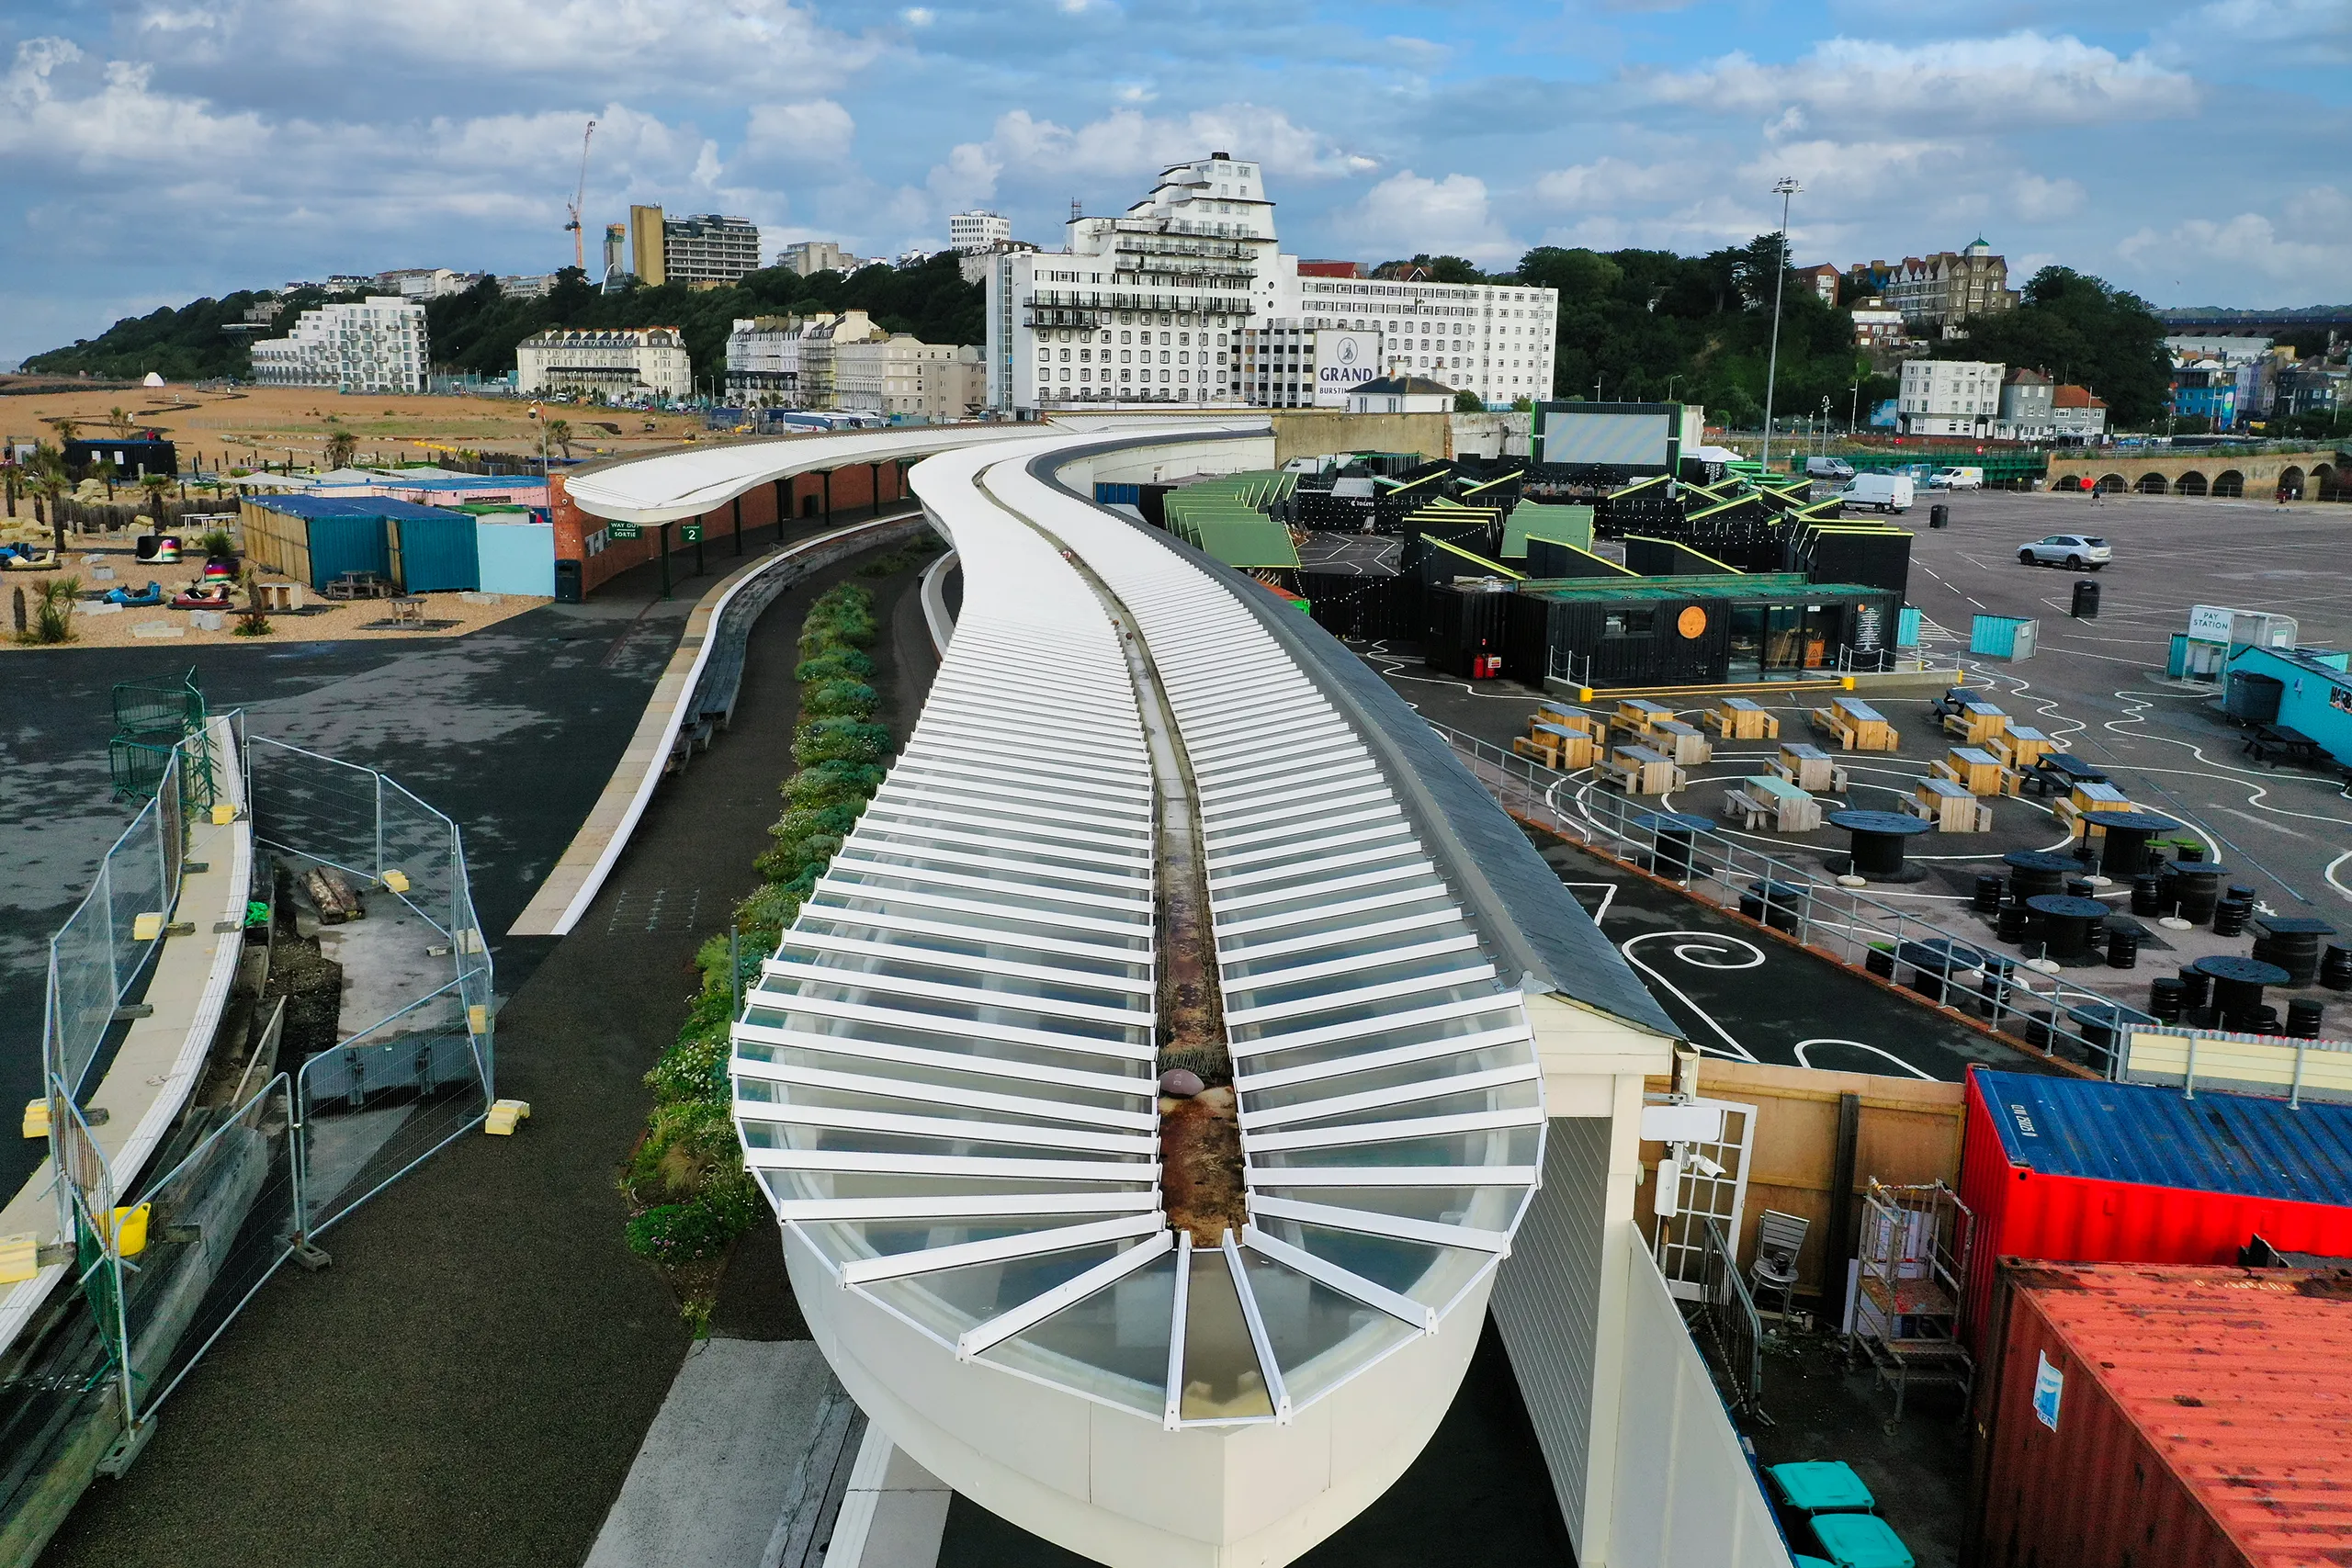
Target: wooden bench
{"points": [[1557, 747], [1637, 714], [1949, 806], [1763, 797], [1686, 743], [1589, 724], [1976, 723], [1736, 718], [1858, 725], [2019, 747], [1637, 770], [1976, 771], [2088, 795], [1809, 767]]}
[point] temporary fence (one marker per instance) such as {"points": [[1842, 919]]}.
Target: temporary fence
{"points": [[1729, 1314], [2047, 1012], [257, 1169]]}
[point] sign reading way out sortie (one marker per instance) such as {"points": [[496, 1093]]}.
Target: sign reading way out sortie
{"points": [[620, 530]]}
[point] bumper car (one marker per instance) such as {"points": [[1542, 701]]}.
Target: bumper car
{"points": [[211, 595], [27, 558], [151, 595]]}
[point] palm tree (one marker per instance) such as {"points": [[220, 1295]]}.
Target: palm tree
{"points": [[341, 444], [67, 430], [120, 421], [560, 432], [108, 472], [49, 482], [155, 485]]}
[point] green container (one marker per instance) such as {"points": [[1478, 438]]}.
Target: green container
{"points": [[1861, 1540], [1822, 1486]]}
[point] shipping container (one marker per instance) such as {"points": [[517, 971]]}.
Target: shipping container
{"points": [[2135, 1416], [432, 550], [2003, 637], [315, 540], [1467, 628], [516, 554], [1684, 631], [2086, 1171]]}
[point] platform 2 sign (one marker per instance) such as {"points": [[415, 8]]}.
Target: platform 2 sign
{"points": [[690, 533]]}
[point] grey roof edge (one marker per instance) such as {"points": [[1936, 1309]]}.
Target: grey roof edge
{"points": [[1534, 929]]}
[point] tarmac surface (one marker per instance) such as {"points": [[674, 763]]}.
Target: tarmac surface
{"points": [[471, 1379]]}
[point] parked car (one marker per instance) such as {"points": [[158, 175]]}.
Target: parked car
{"points": [[1828, 469], [1882, 493], [2077, 552], [1956, 478]]}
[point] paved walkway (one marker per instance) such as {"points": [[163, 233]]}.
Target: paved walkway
{"points": [[470, 1382]]}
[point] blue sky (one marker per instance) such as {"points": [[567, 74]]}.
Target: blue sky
{"points": [[159, 150]]}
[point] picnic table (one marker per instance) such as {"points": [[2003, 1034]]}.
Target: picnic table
{"points": [[285, 596], [1638, 770], [1858, 725], [1738, 718], [1807, 766], [2061, 771], [1976, 771], [2020, 747], [1976, 722], [1686, 743], [1768, 797], [1952, 807], [407, 610], [1557, 745], [1639, 713], [357, 585], [2273, 743]]}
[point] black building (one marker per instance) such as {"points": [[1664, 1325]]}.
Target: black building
{"points": [[131, 457]]}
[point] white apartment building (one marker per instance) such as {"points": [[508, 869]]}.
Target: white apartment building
{"points": [[1230, 318], [375, 344], [969, 231], [708, 248], [822, 338], [763, 361], [617, 364], [904, 376], [424, 282], [1949, 396], [525, 286]]}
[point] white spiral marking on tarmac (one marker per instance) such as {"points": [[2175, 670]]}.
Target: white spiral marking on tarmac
{"points": [[1699, 941], [1804, 1045]]}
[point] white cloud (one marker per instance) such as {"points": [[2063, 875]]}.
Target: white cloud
{"points": [[1609, 182], [1406, 214], [2320, 28], [918, 16], [1835, 173], [2000, 82], [1130, 145], [817, 129], [2038, 200], [2299, 253]]}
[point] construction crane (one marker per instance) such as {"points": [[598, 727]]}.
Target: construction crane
{"points": [[579, 244]]}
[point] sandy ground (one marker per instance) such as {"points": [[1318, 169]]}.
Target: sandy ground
{"points": [[270, 424], [445, 615]]}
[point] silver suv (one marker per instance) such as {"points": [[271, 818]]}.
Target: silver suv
{"points": [[2077, 552]]}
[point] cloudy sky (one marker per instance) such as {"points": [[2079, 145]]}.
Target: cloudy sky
{"points": [[155, 151]]}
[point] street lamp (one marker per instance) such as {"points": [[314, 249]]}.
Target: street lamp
{"points": [[1784, 187]]}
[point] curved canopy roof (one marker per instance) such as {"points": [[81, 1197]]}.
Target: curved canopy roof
{"points": [[945, 1079], [687, 484]]}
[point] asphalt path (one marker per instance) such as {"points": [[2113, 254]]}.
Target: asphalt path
{"points": [[470, 1380]]}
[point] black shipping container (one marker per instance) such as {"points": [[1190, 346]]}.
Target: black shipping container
{"points": [[1467, 624], [1874, 558], [1364, 608], [130, 457], [1550, 558]]}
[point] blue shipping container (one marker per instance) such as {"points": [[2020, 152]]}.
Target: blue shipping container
{"points": [[2003, 637], [517, 553], [345, 544], [1906, 627], [1118, 495], [432, 550]]}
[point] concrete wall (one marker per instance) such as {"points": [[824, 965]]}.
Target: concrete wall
{"points": [[1176, 460], [1311, 432], [1491, 434]]}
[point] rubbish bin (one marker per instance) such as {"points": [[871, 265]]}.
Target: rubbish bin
{"points": [[1939, 515], [2086, 605], [566, 582]]}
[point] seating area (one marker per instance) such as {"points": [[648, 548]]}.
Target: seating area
{"points": [[1950, 806], [1738, 718], [1858, 725], [1686, 743], [1976, 770], [1809, 767], [1976, 723], [1562, 740], [2019, 747], [1640, 770], [2089, 796]]}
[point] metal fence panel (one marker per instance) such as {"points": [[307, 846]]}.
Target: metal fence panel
{"points": [[315, 807]]}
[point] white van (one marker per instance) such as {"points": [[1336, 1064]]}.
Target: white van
{"points": [[1884, 493], [1828, 469], [1956, 478]]}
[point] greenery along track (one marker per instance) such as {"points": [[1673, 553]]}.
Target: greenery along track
{"points": [[689, 1194]]}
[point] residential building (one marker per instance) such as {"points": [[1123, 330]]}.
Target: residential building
{"points": [[375, 344], [1876, 325], [2077, 417], [763, 361], [974, 264], [1232, 319], [903, 377], [1823, 280], [2207, 389], [1949, 396], [1401, 394], [709, 249], [822, 339], [647, 256], [810, 257], [615, 364], [2310, 386], [1939, 293], [973, 231], [2026, 407], [525, 286], [424, 282], [1868, 280]]}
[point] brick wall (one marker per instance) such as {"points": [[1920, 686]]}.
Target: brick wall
{"points": [[581, 537]]}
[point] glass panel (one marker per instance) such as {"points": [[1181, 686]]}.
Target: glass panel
{"points": [[1112, 1345], [1369, 1011], [999, 920], [1366, 951], [1320, 1336], [921, 946], [950, 1011], [953, 1299], [1372, 972], [1222, 1381], [912, 967], [884, 880], [1476, 1208], [1501, 1096], [846, 1241], [1036, 872], [1505, 1016], [829, 1184], [1312, 917], [947, 1041], [940, 1077], [1401, 857], [759, 1092], [1504, 1145], [1407, 1075], [851, 1140], [1429, 1275]]}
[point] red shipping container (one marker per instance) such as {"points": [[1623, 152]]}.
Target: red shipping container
{"points": [[2085, 1171], [2166, 1417]]}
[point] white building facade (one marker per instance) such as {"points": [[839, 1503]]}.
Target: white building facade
{"points": [[903, 377], [971, 231], [763, 361], [619, 364], [377, 344], [1949, 396], [1186, 297]]}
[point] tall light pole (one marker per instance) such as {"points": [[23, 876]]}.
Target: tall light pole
{"points": [[1784, 187]]}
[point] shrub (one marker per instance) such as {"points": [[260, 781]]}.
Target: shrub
{"points": [[705, 1226], [838, 699], [835, 664], [831, 784], [841, 740]]}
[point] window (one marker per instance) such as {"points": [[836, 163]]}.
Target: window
{"points": [[1629, 623]]}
